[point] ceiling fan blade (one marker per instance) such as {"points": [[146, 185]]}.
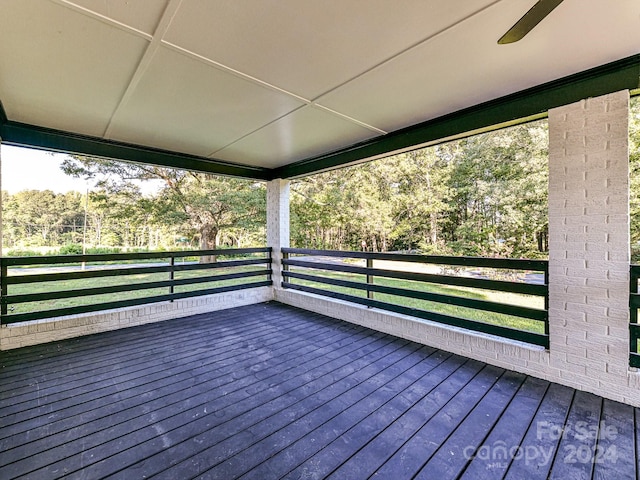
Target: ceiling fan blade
{"points": [[530, 19]]}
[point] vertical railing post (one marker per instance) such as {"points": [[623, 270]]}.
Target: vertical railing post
{"points": [[172, 264], [633, 312], [3, 287], [285, 267], [546, 299], [369, 279]]}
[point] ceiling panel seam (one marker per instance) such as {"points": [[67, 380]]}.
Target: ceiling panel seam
{"points": [[144, 63], [324, 109], [212, 154], [232, 71], [103, 18], [318, 99], [262, 83], [350, 119]]}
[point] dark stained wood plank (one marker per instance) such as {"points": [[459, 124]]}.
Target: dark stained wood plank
{"points": [[98, 356], [78, 351], [128, 411], [302, 405], [492, 459], [221, 359], [114, 358], [451, 378], [367, 407], [411, 457], [575, 456], [350, 442], [141, 438], [541, 441], [636, 421], [615, 454], [453, 455], [123, 368], [94, 434]]}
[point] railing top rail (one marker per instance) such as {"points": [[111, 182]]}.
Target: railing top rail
{"points": [[502, 263], [54, 259]]}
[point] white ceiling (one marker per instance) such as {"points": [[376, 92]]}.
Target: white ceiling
{"points": [[270, 82]]}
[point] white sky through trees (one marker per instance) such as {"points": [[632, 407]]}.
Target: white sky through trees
{"points": [[29, 169]]}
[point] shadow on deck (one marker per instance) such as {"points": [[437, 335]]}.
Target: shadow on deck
{"points": [[270, 391]]}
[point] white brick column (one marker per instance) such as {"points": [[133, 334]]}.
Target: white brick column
{"points": [[1, 197], [589, 245], [277, 224]]}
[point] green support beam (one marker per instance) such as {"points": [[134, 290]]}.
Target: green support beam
{"points": [[521, 106], [24, 135], [525, 105]]}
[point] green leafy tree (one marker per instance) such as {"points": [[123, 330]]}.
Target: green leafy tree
{"points": [[39, 218], [483, 195], [497, 192], [205, 204]]}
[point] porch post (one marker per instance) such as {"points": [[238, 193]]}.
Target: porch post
{"points": [[589, 244], [277, 224], [1, 253]]}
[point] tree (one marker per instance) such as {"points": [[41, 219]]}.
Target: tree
{"points": [[204, 203], [40, 218], [419, 198], [482, 195], [498, 192]]}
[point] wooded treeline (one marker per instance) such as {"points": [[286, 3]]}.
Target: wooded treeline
{"points": [[191, 211], [482, 195]]}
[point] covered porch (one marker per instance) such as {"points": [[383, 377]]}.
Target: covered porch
{"points": [[270, 381]]}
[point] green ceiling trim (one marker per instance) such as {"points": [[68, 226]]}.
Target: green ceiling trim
{"points": [[24, 135], [531, 103], [534, 102]]}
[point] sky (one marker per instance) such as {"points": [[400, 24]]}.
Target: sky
{"points": [[29, 169]]}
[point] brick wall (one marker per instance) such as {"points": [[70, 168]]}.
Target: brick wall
{"points": [[590, 246]]}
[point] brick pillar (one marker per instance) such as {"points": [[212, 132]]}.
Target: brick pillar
{"points": [[277, 224], [1, 252], [589, 245]]}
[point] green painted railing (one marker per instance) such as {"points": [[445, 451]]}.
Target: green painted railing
{"points": [[634, 326], [333, 274], [29, 282]]}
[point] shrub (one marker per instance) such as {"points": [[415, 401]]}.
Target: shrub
{"points": [[71, 249], [103, 250]]}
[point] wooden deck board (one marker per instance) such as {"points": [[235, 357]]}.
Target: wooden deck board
{"points": [[452, 456], [491, 459], [271, 391], [615, 454]]}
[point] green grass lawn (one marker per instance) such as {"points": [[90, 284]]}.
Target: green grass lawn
{"points": [[68, 285], [453, 310]]}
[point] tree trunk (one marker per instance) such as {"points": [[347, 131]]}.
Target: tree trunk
{"points": [[434, 228], [208, 238]]}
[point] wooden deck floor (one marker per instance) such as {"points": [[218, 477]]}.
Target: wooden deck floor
{"points": [[269, 391]]}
